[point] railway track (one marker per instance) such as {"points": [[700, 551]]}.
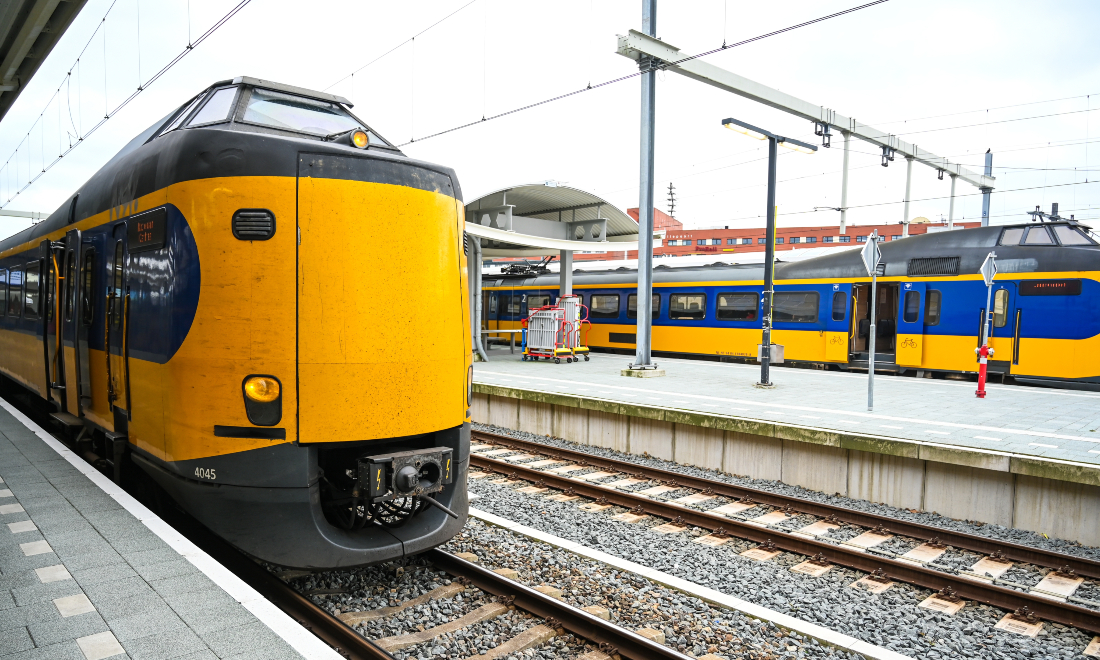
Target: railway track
{"points": [[1050, 600]]}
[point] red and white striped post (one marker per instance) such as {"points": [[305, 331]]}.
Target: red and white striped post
{"points": [[988, 271]]}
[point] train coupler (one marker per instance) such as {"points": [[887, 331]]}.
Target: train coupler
{"points": [[411, 473]]}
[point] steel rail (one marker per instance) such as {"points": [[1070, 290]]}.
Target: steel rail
{"points": [[981, 545], [611, 638], [904, 571]]}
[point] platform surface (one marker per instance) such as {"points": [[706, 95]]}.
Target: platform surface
{"points": [[84, 577], [1054, 424]]}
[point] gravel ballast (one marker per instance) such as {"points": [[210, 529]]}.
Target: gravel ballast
{"points": [[891, 619]]}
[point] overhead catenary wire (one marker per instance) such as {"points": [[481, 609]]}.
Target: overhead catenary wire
{"points": [[111, 113], [661, 66]]}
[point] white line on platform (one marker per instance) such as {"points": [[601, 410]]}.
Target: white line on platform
{"points": [[623, 391], [887, 426], [938, 432], [831, 637], [1039, 444], [1094, 451], [300, 639], [986, 437]]}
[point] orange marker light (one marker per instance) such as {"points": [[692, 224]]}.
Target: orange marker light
{"points": [[264, 390], [360, 139]]}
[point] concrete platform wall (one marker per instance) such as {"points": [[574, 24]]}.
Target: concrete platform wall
{"points": [[956, 485]]}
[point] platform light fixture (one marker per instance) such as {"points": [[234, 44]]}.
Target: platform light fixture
{"points": [[769, 248]]}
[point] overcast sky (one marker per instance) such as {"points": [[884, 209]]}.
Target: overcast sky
{"points": [[954, 77]]}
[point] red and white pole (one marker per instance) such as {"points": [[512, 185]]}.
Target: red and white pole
{"points": [[983, 358]]}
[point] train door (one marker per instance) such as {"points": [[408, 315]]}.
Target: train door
{"points": [[75, 292], [838, 323], [910, 325], [117, 305], [1004, 329], [52, 281]]}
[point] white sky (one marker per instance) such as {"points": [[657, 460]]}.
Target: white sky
{"points": [[903, 60]]}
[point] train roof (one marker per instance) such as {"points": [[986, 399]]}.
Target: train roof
{"points": [[947, 253]]}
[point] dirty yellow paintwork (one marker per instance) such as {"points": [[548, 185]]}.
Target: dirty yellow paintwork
{"points": [[381, 333]]}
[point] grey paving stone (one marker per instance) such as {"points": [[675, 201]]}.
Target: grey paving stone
{"points": [[178, 643], [167, 569], [243, 640], [93, 560], [108, 573], [53, 632], [116, 607], [157, 556], [125, 587], [62, 651], [209, 610], [181, 584], [269, 653], [151, 622], [37, 593], [7, 601], [24, 616], [14, 640]]}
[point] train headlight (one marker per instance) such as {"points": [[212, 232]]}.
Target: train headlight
{"points": [[263, 399], [262, 389], [360, 139]]}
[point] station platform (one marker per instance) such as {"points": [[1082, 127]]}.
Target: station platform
{"points": [[87, 572], [1025, 457]]}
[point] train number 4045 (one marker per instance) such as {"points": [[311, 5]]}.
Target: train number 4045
{"points": [[206, 473]]}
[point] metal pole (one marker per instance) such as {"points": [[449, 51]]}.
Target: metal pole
{"points": [[951, 208], [986, 191], [769, 272], [476, 242], [908, 186], [988, 314], [871, 334], [642, 359], [565, 273], [844, 186]]}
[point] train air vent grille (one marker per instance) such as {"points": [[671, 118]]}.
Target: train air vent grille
{"points": [[933, 266], [253, 224], [465, 244]]}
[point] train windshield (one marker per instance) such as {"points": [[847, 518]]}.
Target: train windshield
{"points": [[297, 113]]}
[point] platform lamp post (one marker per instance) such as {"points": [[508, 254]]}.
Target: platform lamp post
{"points": [[769, 248]]}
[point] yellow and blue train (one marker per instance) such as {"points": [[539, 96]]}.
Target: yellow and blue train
{"points": [[221, 311], [930, 304]]}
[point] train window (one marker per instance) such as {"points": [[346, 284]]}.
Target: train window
{"points": [[513, 304], [795, 307], [534, 302], [492, 307], [932, 307], [70, 281], [15, 292], [687, 306], [86, 279], [632, 306], [740, 306], [216, 109], [1000, 308], [604, 307], [298, 113], [31, 291], [116, 286], [911, 312], [1012, 236], [840, 305], [1071, 236], [183, 115], [1038, 236], [3, 292]]}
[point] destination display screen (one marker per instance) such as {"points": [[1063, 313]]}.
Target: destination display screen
{"points": [[147, 230], [1050, 288]]}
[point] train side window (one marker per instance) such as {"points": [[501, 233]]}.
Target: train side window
{"points": [[795, 307], [183, 115], [86, 279], [1000, 308], [3, 292], [932, 307], [217, 108], [512, 307], [1038, 236], [1071, 236], [737, 306], [604, 307], [912, 307], [492, 309], [116, 286], [15, 293], [70, 281], [687, 306], [1012, 236], [534, 302], [840, 305], [632, 306]]}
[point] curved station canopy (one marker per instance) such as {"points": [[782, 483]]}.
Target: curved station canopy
{"points": [[545, 218]]}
